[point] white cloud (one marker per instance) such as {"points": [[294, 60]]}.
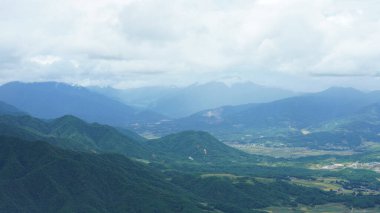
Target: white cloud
{"points": [[45, 59], [142, 42]]}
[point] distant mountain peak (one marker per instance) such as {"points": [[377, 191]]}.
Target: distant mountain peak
{"points": [[70, 119], [341, 89], [51, 84], [50, 100]]}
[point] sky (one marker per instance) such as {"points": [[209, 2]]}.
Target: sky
{"points": [[303, 45]]}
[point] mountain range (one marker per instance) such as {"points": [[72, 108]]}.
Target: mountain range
{"points": [[49, 100], [304, 117], [329, 116], [66, 164], [72, 133], [178, 102]]}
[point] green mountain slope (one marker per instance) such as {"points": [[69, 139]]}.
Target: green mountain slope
{"points": [[195, 146], [37, 177], [6, 109], [72, 133]]}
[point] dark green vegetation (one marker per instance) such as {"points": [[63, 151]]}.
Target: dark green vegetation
{"points": [[196, 146], [37, 177], [239, 194], [51, 100], [72, 133]]}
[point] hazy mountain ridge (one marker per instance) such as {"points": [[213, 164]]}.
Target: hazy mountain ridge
{"points": [[51, 99], [7, 109], [300, 118], [179, 102], [300, 111]]}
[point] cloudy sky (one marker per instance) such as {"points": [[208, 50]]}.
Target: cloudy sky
{"points": [[295, 44]]}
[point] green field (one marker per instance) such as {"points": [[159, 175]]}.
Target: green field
{"points": [[286, 152], [325, 184], [328, 208]]}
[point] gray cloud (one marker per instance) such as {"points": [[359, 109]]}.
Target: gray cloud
{"points": [[148, 42], [332, 74]]}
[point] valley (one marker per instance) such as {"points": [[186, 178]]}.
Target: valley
{"points": [[328, 208], [191, 106], [308, 153], [286, 152]]}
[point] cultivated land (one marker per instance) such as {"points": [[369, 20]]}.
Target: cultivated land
{"points": [[276, 157], [286, 152], [328, 208]]}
